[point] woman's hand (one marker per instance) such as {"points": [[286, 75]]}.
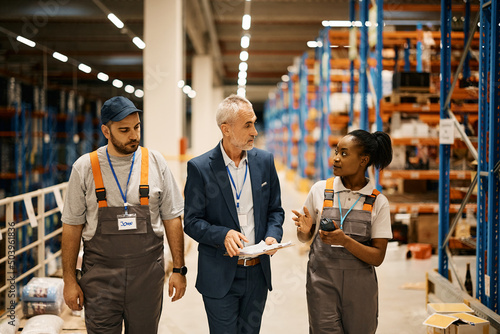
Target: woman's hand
{"points": [[303, 222], [336, 237]]}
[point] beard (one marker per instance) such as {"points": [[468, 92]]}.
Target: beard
{"points": [[124, 149]]}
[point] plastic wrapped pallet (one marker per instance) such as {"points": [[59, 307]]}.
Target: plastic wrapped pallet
{"points": [[43, 289], [9, 326], [46, 324], [36, 308]]}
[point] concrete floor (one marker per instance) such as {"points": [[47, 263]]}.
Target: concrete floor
{"points": [[401, 287]]}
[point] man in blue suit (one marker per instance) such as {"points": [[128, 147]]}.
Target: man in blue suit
{"points": [[232, 200]]}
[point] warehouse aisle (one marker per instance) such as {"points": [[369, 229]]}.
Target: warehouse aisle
{"points": [[401, 286]]}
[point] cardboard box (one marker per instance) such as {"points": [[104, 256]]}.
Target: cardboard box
{"points": [[448, 308], [427, 229], [456, 323]]}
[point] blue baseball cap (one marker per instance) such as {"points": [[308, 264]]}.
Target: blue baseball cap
{"points": [[117, 108]]}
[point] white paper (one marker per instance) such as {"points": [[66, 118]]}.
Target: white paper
{"points": [[446, 131], [59, 201], [261, 248], [31, 212]]}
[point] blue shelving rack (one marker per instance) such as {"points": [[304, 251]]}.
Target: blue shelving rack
{"points": [[323, 104]]}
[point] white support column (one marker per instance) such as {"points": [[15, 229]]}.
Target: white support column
{"points": [[218, 96], [163, 68], [203, 123]]}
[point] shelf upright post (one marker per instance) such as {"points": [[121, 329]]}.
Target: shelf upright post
{"points": [[303, 111], [444, 150], [352, 18], [466, 70], [494, 157], [363, 79], [378, 84], [420, 35], [324, 95], [407, 55], [288, 121], [482, 163]]}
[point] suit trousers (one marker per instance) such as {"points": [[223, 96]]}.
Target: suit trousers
{"points": [[240, 310]]}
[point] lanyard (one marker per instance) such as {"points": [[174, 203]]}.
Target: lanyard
{"points": [[238, 195], [124, 196], [342, 218]]}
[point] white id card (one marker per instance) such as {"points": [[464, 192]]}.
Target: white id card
{"points": [[127, 222], [242, 219]]}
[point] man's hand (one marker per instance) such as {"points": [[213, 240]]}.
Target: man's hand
{"points": [[73, 296], [270, 241], [177, 282], [233, 242]]}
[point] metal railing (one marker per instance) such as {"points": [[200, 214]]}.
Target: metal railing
{"points": [[36, 218]]}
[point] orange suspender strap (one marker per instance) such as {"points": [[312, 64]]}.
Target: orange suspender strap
{"points": [[328, 201], [100, 192], [144, 186], [369, 200]]}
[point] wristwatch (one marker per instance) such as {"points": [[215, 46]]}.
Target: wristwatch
{"points": [[182, 270]]}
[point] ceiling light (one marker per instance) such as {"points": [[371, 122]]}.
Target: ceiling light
{"points": [[245, 41], [139, 43], [242, 75], [84, 68], [180, 84], [241, 91], [118, 83], [129, 89], [285, 78], [26, 41], [186, 89], [243, 55], [116, 21], [242, 81], [312, 44], [60, 56], [192, 94], [139, 93], [246, 22], [102, 76], [341, 24], [243, 67]]}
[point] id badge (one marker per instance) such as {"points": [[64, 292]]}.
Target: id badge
{"points": [[127, 222], [242, 219]]}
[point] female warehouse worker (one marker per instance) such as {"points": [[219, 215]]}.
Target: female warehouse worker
{"points": [[342, 291]]}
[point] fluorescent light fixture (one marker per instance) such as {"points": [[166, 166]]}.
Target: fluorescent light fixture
{"points": [[334, 46], [192, 94], [129, 89], [243, 67], [116, 21], [60, 57], [139, 93], [139, 43], [242, 81], [341, 24], [243, 55], [118, 83], [241, 91], [102, 76], [312, 44], [242, 75], [246, 22], [26, 41], [285, 78], [180, 84], [186, 89], [84, 68], [245, 41]]}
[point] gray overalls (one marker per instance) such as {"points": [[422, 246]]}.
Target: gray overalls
{"points": [[123, 270], [342, 291]]}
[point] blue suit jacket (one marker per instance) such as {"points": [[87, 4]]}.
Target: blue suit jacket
{"points": [[210, 212]]}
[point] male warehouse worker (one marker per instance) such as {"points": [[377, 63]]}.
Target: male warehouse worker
{"points": [[117, 199]]}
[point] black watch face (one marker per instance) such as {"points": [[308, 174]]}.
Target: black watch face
{"points": [[184, 270]]}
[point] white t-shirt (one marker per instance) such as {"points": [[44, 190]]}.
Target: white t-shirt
{"points": [[80, 207], [381, 213]]}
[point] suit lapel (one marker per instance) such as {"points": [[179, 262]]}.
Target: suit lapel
{"points": [[220, 174], [256, 177]]}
